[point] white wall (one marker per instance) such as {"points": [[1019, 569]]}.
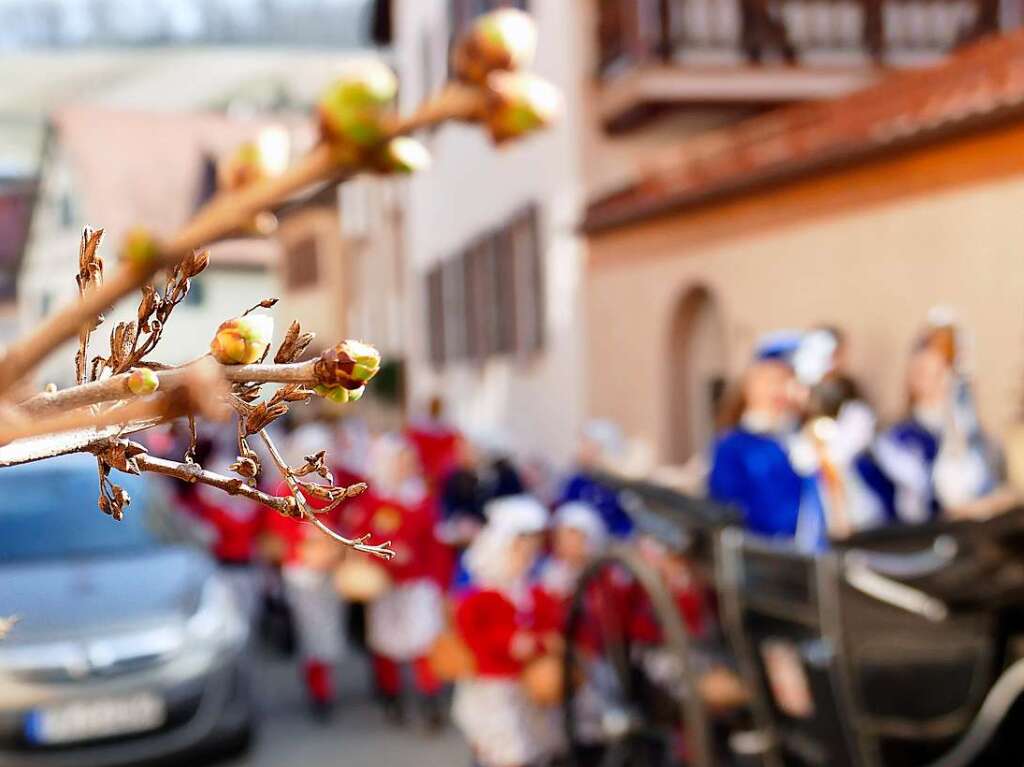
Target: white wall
{"points": [[533, 406]]}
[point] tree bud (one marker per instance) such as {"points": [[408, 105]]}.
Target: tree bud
{"points": [[354, 108], [243, 340], [139, 247], [350, 364], [503, 40], [339, 394], [404, 155], [520, 103], [142, 381], [257, 160]]}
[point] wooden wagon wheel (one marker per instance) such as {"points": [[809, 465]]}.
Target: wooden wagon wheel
{"points": [[630, 697]]}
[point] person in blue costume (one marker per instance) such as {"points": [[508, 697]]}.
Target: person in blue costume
{"points": [[936, 460], [752, 466], [601, 443]]}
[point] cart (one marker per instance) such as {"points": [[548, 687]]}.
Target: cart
{"points": [[899, 647]]}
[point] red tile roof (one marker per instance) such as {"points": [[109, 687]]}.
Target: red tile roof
{"points": [[981, 85]]}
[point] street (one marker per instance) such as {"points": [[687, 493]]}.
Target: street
{"points": [[357, 734]]}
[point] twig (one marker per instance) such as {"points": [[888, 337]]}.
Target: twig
{"points": [[79, 441], [383, 550], [222, 216], [157, 407], [190, 472], [116, 387]]}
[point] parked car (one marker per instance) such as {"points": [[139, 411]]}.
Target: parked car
{"points": [[128, 646]]}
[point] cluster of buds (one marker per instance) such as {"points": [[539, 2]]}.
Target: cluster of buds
{"points": [[493, 56], [343, 371], [243, 340]]}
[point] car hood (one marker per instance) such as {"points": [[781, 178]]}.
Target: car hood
{"points": [[84, 597]]}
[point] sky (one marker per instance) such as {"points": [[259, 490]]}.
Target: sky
{"points": [[34, 24]]}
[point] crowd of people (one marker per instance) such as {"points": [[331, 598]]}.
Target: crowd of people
{"points": [[801, 456], [488, 551]]}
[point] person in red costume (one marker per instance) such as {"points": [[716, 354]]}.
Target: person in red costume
{"points": [[230, 525], [506, 621], [405, 621], [436, 444], [578, 536]]}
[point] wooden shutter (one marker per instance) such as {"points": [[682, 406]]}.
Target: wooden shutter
{"points": [[435, 316]]}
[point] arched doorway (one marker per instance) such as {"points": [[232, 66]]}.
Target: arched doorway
{"points": [[697, 372]]}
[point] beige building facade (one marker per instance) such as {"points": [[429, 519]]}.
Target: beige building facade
{"points": [[863, 213]]}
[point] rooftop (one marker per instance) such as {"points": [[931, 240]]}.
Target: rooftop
{"points": [[976, 88]]}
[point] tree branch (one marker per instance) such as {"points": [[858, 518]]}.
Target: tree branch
{"points": [[77, 441], [383, 550], [191, 472], [222, 216], [158, 407], [116, 387]]}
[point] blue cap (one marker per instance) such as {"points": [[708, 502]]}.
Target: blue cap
{"points": [[780, 346]]}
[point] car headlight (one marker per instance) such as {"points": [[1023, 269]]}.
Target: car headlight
{"points": [[218, 620]]}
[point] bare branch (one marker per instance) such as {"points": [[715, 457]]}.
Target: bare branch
{"points": [[77, 441], [158, 407], [382, 550], [116, 387], [191, 472], [224, 215]]}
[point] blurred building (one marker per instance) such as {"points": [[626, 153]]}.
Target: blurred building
{"points": [[137, 101], [863, 211], [493, 261], [341, 270], [17, 194], [117, 169]]}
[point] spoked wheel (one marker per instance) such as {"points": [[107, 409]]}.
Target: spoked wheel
{"points": [[629, 692]]}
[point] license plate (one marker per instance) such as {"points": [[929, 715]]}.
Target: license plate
{"points": [[95, 718]]}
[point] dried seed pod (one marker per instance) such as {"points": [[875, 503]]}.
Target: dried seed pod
{"points": [[294, 344], [196, 263], [242, 340], [503, 40]]}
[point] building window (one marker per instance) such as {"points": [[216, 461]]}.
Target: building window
{"points": [[302, 267], [488, 300]]}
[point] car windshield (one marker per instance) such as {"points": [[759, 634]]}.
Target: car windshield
{"points": [[48, 511]]}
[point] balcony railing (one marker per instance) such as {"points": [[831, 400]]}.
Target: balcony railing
{"points": [[810, 33]]}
